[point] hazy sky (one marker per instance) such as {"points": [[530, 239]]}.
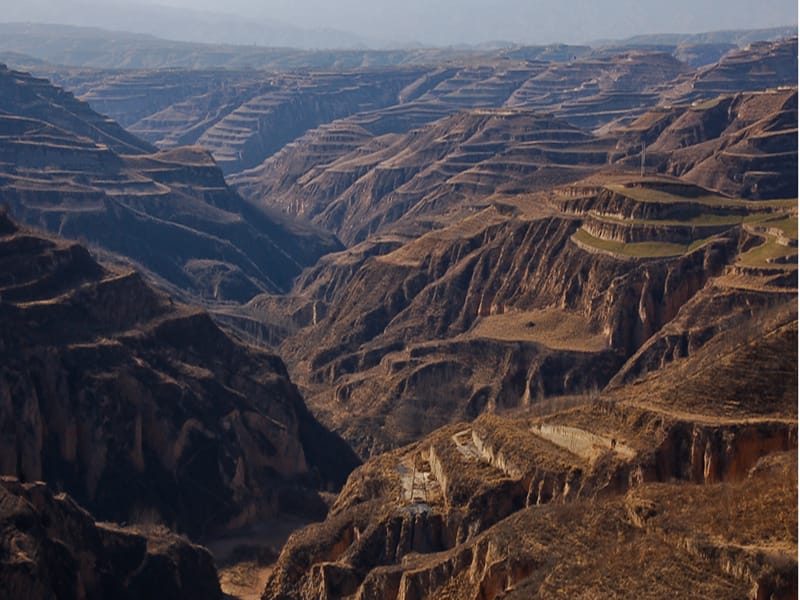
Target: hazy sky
{"points": [[453, 21], [445, 22]]}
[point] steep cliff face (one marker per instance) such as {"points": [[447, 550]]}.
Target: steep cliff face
{"points": [[142, 409], [496, 312], [458, 518], [51, 547]]}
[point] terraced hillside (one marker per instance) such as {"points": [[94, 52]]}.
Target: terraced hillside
{"points": [[760, 64], [434, 174], [659, 465], [261, 126], [458, 244], [28, 97], [140, 408], [551, 303], [579, 91], [246, 116], [536, 296], [742, 145], [464, 289], [602, 92], [171, 212]]}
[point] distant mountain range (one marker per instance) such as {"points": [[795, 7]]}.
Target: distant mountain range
{"points": [[194, 40], [139, 22]]}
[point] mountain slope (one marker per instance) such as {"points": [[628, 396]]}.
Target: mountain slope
{"points": [[478, 278], [171, 212], [742, 145], [138, 406]]}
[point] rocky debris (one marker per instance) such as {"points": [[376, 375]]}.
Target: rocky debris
{"points": [[141, 408], [50, 547]]}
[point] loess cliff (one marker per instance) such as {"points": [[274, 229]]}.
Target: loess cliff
{"points": [[547, 295], [52, 548], [141, 408]]}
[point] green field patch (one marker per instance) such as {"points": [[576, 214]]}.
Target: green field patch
{"points": [[651, 194], [654, 195], [702, 220], [708, 104], [636, 249], [788, 225], [760, 256]]}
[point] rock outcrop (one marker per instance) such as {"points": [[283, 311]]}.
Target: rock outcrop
{"points": [[50, 547], [141, 408]]}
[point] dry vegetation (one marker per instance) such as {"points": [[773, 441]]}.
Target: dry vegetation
{"points": [[559, 329]]}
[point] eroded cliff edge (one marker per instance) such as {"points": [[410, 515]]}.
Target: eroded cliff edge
{"points": [[142, 408]]}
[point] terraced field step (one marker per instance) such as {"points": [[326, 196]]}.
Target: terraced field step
{"points": [[418, 483], [582, 443], [633, 250]]}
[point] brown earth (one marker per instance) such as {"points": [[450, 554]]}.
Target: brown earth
{"points": [[505, 256]]}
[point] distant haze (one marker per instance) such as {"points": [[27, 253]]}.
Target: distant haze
{"points": [[427, 22]]}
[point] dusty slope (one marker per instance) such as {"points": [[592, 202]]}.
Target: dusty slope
{"points": [[743, 144], [439, 173], [536, 296], [593, 91]]}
